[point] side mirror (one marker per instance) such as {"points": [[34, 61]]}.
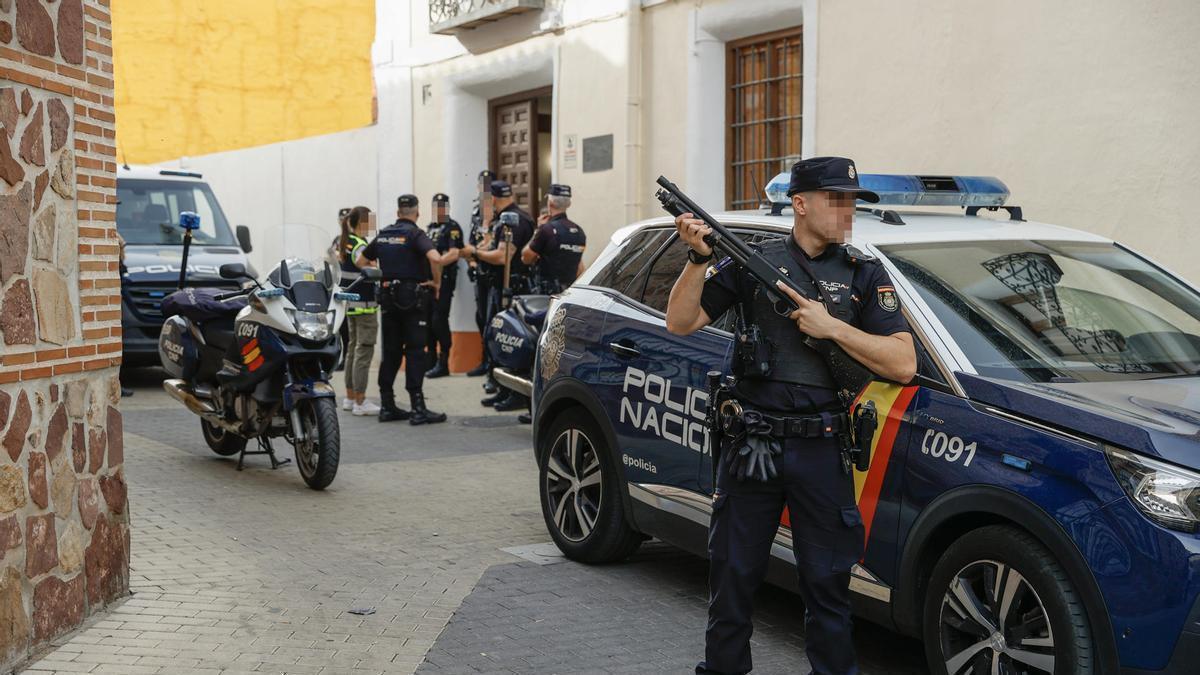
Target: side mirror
{"points": [[233, 271], [243, 237], [372, 273]]}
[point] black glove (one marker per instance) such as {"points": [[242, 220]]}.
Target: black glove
{"points": [[756, 450]]}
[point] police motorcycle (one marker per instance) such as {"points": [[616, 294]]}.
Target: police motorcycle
{"points": [[512, 336], [254, 364]]}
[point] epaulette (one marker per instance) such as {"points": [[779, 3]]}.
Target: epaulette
{"points": [[856, 256]]}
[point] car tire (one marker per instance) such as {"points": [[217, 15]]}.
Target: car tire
{"points": [[581, 492], [224, 443], [998, 595]]}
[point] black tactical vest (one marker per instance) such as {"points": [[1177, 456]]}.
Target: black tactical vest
{"points": [[792, 360], [560, 262]]}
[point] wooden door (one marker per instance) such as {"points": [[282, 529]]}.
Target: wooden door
{"points": [[515, 149]]}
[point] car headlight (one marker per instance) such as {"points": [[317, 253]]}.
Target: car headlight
{"points": [[314, 326], [1168, 494]]}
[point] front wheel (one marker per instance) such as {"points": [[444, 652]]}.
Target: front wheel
{"points": [[319, 447], [224, 443], [999, 602]]}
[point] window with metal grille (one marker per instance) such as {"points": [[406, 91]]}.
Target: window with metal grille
{"points": [[763, 108]]}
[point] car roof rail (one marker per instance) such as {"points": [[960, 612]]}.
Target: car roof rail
{"points": [[1014, 212], [886, 215]]}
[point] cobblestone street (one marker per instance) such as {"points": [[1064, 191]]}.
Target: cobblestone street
{"points": [[253, 572]]}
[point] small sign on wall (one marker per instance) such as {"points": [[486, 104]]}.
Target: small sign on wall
{"points": [[570, 157], [598, 153]]}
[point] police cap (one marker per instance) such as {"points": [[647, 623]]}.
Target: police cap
{"points": [[560, 190], [829, 174], [501, 188], [407, 201], [441, 198]]}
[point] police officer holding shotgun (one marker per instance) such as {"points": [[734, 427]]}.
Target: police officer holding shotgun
{"points": [[782, 421]]}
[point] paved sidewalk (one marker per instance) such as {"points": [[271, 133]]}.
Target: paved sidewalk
{"points": [[253, 572]]}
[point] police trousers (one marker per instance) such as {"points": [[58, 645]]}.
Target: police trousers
{"points": [[439, 321], [404, 337], [827, 539]]}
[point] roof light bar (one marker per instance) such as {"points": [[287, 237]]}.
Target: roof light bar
{"points": [[901, 190]]}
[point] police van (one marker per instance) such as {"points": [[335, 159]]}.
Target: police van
{"points": [[1033, 499], [149, 201]]}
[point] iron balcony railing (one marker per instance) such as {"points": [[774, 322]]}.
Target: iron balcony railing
{"points": [[448, 17]]}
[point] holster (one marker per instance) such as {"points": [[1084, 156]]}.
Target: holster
{"points": [[403, 295], [865, 419]]}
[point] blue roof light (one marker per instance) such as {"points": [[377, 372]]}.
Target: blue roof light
{"points": [[900, 190], [778, 187]]}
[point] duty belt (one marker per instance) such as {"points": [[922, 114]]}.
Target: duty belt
{"points": [[388, 283], [823, 425]]}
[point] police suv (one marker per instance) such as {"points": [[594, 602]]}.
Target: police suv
{"points": [[149, 201], [1033, 500]]}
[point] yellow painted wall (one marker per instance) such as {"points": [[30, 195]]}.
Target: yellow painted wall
{"points": [[200, 77]]}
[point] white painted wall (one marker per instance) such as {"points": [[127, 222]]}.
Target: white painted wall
{"points": [[1087, 109], [300, 184]]}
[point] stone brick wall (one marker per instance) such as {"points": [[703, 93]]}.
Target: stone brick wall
{"points": [[64, 534]]}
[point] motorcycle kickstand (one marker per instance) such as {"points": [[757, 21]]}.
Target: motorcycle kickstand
{"points": [[264, 448]]}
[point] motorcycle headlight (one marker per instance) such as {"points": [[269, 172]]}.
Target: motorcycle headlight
{"points": [[1167, 494], [314, 326]]}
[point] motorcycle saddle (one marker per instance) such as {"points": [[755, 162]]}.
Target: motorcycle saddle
{"points": [[532, 308], [201, 305]]}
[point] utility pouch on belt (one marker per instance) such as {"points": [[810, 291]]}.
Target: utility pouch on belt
{"points": [[399, 295], [865, 420]]}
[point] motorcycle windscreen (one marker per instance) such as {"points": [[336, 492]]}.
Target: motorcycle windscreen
{"points": [[309, 296]]}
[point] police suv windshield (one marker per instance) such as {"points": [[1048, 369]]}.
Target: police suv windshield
{"points": [[148, 213], [1057, 311]]}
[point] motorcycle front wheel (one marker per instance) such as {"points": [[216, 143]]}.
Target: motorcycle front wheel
{"points": [[319, 448]]}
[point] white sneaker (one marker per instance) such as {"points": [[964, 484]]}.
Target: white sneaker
{"points": [[347, 404], [365, 408]]}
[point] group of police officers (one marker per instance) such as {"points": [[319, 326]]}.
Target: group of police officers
{"points": [[507, 254], [780, 449]]}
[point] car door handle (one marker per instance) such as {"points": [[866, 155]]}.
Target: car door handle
{"points": [[623, 349]]}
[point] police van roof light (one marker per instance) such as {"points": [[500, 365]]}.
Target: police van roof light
{"points": [[901, 190]]}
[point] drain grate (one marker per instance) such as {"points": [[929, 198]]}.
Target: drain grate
{"points": [[488, 421]]}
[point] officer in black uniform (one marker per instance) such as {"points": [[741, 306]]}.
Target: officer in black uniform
{"points": [[493, 252], [556, 251], [446, 234], [405, 254], [481, 221], [783, 446]]}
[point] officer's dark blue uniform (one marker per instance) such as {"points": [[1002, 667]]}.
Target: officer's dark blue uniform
{"points": [[522, 232], [479, 272], [812, 482], [402, 251], [559, 244], [445, 236]]}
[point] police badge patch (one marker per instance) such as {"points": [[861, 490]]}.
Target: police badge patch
{"points": [[887, 298]]}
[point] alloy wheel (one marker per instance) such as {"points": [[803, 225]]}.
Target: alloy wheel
{"points": [[992, 621], [573, 484]]}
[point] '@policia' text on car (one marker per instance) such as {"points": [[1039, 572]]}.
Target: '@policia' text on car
{"points": [[1033, 498], [255, 363]]}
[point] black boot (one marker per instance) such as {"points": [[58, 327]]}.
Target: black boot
{"points": [[388, 411], [442, 368], [525, 418], [421, 414], [490, 386], [513, 401], [478, 370], [491, 400]]}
